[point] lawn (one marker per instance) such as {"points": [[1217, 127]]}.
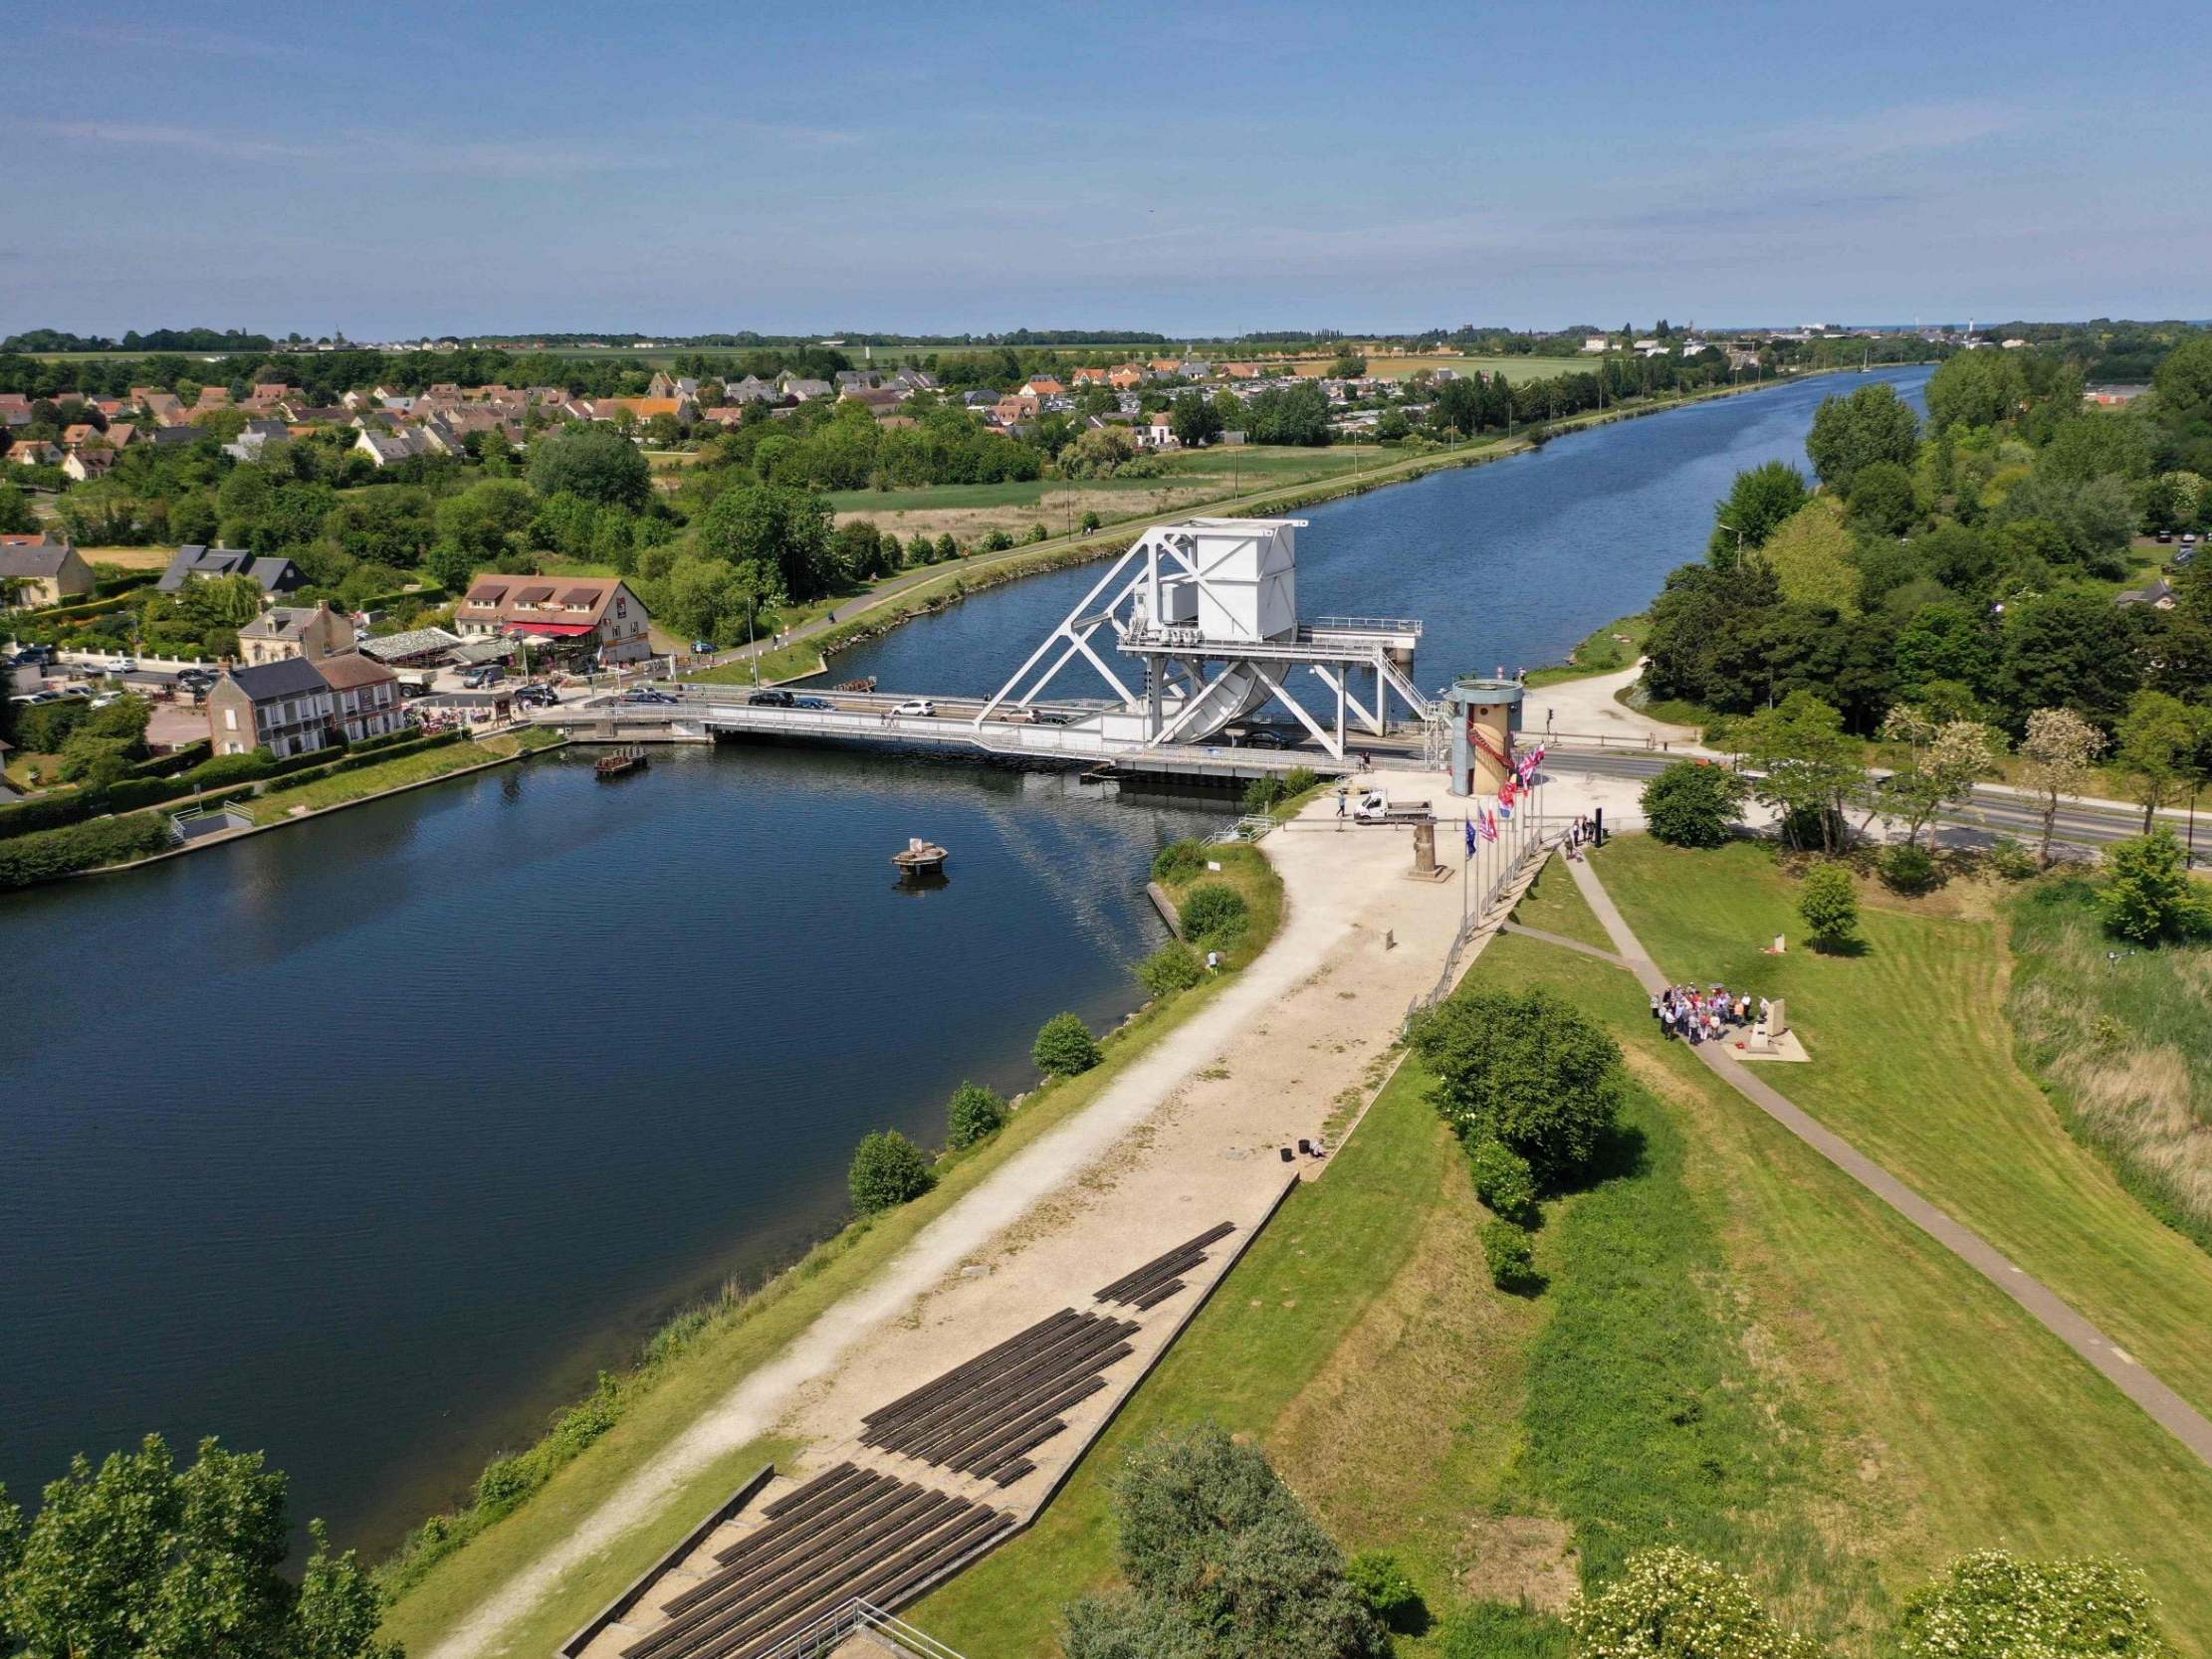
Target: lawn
{"points": [[1601, 653], [740, 1335], [408, 770], [1556, 906], [1912, 1061], [129, 559]]}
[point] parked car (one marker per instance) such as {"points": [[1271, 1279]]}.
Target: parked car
{"points": [[916, 706], [126, 665], [542, 696], [646, 694], [771, 699], [812, 703], [105, 697], [1261, 738], [484, 674]]}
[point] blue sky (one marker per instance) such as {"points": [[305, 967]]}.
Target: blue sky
{"points": [[399, 168]]}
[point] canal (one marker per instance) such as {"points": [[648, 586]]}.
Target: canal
{"points": [[371, 1142]]}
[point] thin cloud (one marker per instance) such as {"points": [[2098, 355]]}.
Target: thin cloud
{"points": [[131, 36], [1901, 129], [140, 134]]}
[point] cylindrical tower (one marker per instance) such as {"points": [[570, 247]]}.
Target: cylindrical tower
{"points": [[1485, 713]]}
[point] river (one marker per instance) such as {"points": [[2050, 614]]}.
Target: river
{"points": [[371, 1142]]}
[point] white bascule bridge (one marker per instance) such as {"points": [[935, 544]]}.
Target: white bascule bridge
{"points": [[1204, 632]]}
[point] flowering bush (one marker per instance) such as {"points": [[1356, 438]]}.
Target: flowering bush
{"points": [[1671, 1604], [1993, 1605]]}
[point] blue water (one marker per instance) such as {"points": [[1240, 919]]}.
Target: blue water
{"points": [[371, 1143], [1507, 564]]}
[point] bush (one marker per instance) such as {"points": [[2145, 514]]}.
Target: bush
{"points": [[975, 1113], [1510, 1251], [1907, 868], [2009, 859], [1827, 905], [1065, 1047], [1171, 968], [48, 854], [1691, 804], [51, 811], [1503, 1181], [1389, 1594], [1177, 861], [1298, 780], [1262, 794], [2147, 894], [887, 1171], [1214, 912], [1671, 1602], [1526, 1068], [1992, 1606]]}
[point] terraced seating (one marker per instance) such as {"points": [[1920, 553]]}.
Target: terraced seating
{"points": [[983, 1417], [1161, 1278], [849, 1532]]}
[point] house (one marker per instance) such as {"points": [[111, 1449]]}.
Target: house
{"points": [[1243, 372], [664, 384], [39, 570], [284, 707], [165, 408], [643, 409], [2158, 595], [1192, 370], [751, 389], [2111, 397], [1041, 386], [1596, 342], [35, 452], [415, 648], [1015, 408], [1165, 366], [212, 398], [177, 437], [365, 696], [254, 437], [295, 631], [389, 449], [1125, 377], [581, 614], [1090, 377], [277, 577], [857, 380], [84, 465], [915, 380], [78, 434], [798, 386], [1158, 432], [979, 400]]}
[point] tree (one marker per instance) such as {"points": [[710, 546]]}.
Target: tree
{"points": [[1503, 1181], [485, 524], [1827, 905], [1850, 432], [973, 1113], [143, 1561], [16, 517], [1882, 499], [1064, 1046], [1809, 768], [1694, 803], [1993, 1605], [2070, 650], [887, 1171], [2160, 739], [1975, 389], [2056, 756], [1526, 1068], [1810, 554], [595, 463], [783, 531], [1756, 504], [2147, 894], [1945, 757], [1214, 912], [1194, 421], [219, 601], [1221, 1559], [1671, 1604]]}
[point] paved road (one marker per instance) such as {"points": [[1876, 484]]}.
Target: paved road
{"points": [[2173, 1413]]}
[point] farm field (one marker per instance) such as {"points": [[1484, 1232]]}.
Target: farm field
{"points": [[129, 558], [1515, 370], [1736, 1349]]}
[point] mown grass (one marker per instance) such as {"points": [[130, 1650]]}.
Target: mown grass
{"points": [[725, 1341], [1912, 1061], [408, 769], [1555, 905], [2123, 1040], [1600, 653]]}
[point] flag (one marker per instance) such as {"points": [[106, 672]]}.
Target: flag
{"points": [[1470, 838], [1504, 806], [1490, 824]]}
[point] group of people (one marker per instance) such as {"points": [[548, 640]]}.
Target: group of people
{"points": [[1580, 833], [1705, 1016]]}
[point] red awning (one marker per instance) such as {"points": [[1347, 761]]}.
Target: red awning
{"points": [[558, 630]]}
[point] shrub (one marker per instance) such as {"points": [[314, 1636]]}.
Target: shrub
{"points": [[1827, 905], [1382, 1584], [2147, 894], [1171, 968], [1510, 1251], [1214, 912], [2009, 859], [1527, 1069], [50, 811], [1674, 1604], [1694, 805], [1907, 868], [975, 1113], [1503, 1181], [1263, 794], [1992, 1606], [46, 854], [1065, 1047], [1298, 780], [888, 1170], [1178, 861]]}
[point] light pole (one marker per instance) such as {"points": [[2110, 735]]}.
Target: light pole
{"points": [[1724, 524]]}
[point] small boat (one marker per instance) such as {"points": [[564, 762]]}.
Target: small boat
{"points": [[867, 683], [921, 858], [620, 763]]}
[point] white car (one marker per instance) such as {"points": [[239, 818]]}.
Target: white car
{"points": [[916, 706]]}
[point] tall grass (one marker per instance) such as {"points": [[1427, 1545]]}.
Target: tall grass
{"points": [[2123, 1040]]}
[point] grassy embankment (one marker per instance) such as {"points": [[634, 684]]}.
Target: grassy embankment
{"points": [[344, 789], [1603, 652], [1737, 1349], [2122, 1045], [711, 1351]]}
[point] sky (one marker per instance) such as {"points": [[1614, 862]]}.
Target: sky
{"points": [[398, 169]]}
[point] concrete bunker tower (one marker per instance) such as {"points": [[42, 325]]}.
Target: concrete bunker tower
{"points": [[1485, 714]]}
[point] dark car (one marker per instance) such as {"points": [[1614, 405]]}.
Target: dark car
{"points": [[543, 696], [646, 694], [1261, 738], [812, 703], [772, 699]]}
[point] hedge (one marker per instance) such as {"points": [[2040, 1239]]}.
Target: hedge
{"points": [[366, 757], [431, 595], [127, 581], [178, 759], [80, 611], [63, 852], [43, 812]]}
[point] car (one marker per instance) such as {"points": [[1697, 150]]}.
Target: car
{"points": [[484, 674], [1261, 738], [646, 694], [812, 703], [701, 648], [543, 696], [124, 665], [105, 697], [771, 700], [2165, 535], [916, 706]]}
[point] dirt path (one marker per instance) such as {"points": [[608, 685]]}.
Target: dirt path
{"points": [[1186, 1136], [2128, 1374], [1587, 707]]}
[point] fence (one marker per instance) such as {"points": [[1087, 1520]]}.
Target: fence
{"points": [[1251, 827], [860, 1616], [1532, 854]]}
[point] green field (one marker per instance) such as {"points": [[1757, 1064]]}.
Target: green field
{"points": [[1739, 1349]]}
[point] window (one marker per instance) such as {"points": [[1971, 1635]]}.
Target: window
{"points": [[230, 722]]}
